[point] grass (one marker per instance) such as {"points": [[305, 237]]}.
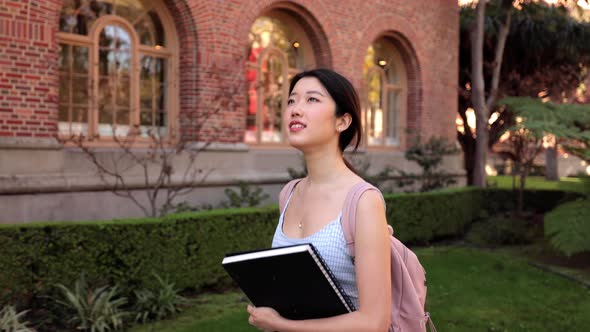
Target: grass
{"points": [[577, 184], [469, 290]]}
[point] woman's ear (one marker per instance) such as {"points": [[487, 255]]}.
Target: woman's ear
{"points": [[343, 122]]}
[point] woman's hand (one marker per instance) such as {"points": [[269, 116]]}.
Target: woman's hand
{"points": [[265, 319]]}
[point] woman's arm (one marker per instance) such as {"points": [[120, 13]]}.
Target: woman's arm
{"points": [[373, 278]]}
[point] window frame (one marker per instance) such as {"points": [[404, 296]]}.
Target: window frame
{"points": [[287, 72], [169, 52], [387, 87]]}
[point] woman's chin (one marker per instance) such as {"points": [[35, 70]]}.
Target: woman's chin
{"points": [[296, 142]]}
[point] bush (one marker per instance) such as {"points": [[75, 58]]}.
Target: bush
{"points": [[536, 201], [568, 227], [422, 217], [92, 309], [190, 246], [158, 303], [11, 320], [501, 231]]}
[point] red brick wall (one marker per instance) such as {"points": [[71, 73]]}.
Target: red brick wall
{"points": [[215, 33], [28, 68]]}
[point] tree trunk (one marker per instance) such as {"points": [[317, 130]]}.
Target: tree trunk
{"points": [[520, 200], [478, 97], [551, 173]]}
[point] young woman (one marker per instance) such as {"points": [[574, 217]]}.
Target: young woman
{"points": [[321, 120]]}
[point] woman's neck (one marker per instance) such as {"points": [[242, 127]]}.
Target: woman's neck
{"points": [[325, 168]]}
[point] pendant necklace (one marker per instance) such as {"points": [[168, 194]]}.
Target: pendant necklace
{"points": [[300, 225]]}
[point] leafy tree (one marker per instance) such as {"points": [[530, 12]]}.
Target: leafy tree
{"points": [[546, 54], [429, 156], [536, 120]]}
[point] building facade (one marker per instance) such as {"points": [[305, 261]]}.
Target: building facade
{"points": [[211, 73]]}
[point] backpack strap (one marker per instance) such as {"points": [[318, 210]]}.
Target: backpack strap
{"points": [[286, 192], [348, 220]]}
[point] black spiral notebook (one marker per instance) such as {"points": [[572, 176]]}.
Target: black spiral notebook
{"points": [[293, 280]]}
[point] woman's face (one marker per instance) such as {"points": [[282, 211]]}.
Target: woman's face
{"points": [[310, 117]]}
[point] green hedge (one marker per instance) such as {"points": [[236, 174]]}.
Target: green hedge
{"points": [[421, 217], [538, 201], [189, 247]]}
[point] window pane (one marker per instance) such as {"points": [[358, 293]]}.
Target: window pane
{"points": [[272, 83], [114, 95], [64, 114], [123, 97], [64, 89], [122, 116], [152, 95], [80, 90], [265, 93], [77, 16], [250, 134], [114, 37], [73, 89], [269, 31], [150, 30], [374, 105], [80, 59], [392, 127]]}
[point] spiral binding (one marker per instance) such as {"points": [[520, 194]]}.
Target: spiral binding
{"points": [[332, 279]]}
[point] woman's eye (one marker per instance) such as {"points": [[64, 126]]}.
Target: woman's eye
{"points": [[290, 101], [312, 99]]}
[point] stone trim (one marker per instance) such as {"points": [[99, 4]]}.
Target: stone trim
{"points": [[29, 143]]}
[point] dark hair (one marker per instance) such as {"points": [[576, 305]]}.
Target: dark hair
{"points": [[346, 99]]}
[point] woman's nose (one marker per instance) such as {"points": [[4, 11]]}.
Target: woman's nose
{"points": [[296, 110]]}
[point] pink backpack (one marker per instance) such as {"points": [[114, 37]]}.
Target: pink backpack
{"points": [[408, 278]]}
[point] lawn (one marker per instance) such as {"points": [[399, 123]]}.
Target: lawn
{"points": [[469, 290], [577, 184]]}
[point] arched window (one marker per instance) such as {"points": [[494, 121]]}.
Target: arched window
{"points": [[278, 50], [384, 94], [116, 64]]}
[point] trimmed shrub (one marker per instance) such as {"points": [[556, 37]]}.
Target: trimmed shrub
{"points": [[502, 231], [189, 247], [568, 227], [538, 201], [422, 217]]}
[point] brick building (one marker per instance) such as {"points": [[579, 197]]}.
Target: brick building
{"points": [[102, 68]]}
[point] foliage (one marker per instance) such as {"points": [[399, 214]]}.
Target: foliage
{"points": [[547, 54], [536, 120], [568, 227], [158, 303], [468, 290], [189, 246], [11, 320], [183, 207], [92, 309], [423, 217], [499, 231], [429, 156], [501, 200], [568, 184], [248, 196]]}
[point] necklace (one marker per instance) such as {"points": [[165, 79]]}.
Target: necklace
{"points": [[300, 225]]}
